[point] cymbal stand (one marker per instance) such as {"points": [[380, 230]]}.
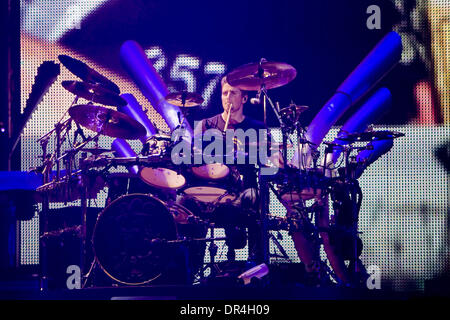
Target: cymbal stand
{"points": [[84, 207], [264, 182], [43, 216]]}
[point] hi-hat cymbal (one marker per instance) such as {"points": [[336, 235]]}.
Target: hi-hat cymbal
{"points": [[87, 74], [253, 76], [184, 99], [369, 136], [107, 121], [94, 92]]}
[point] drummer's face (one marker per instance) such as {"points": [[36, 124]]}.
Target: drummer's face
{"points": [[232, 96]]}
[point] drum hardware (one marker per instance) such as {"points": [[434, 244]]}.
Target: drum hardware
{"points": [[76, 230], [368, 136], [291, 114], [348, 187], [94, 93], [96, 151], [124, 218]]}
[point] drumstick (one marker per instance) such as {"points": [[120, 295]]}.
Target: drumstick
{"points": [[228, 118]]}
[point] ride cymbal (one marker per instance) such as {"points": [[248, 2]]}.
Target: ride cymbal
{"points": [[96, 151]]}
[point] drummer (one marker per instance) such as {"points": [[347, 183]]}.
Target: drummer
{"points": [[233, 117]]}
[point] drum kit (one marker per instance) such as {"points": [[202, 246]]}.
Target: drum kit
{"points": [[136, 234]]}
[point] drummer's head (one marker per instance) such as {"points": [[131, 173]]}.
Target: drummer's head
{"points": [[233, 96]]}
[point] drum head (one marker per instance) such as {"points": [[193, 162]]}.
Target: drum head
{"points": [[162, 178], [211, 171], [129, 236]]}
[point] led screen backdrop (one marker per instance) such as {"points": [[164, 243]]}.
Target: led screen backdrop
{"points": [[404, 216]]}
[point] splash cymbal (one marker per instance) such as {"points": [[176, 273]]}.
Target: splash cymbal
{"points": [[94, 92]]}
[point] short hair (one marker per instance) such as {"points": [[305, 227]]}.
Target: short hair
{"points": [[224, 80]]}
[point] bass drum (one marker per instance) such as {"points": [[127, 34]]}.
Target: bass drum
{"points": [[130, 240]]}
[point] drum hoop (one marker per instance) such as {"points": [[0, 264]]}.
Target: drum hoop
{"points": [[95, 228]]}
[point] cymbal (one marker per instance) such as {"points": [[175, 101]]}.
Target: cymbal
{"points": [[96, 151], [184, 99], [94, 92], [87, 74], [107, 121], [253, 76], [369, 136]]}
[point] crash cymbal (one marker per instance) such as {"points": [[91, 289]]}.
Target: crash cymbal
{"points": [[107, 121], [369, 136], [253, 76], [87, 74], [184, 99], [94, 92]]}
